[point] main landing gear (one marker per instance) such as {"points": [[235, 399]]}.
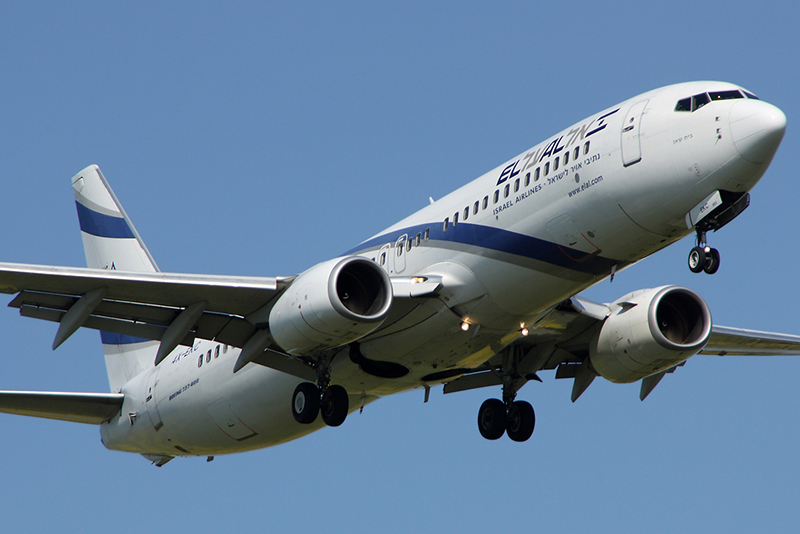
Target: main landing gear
{"points": [[310, 400], [702, 257], [515, 418], [495, 418]]}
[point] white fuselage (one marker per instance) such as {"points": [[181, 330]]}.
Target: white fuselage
{"points": [[540, 228]]}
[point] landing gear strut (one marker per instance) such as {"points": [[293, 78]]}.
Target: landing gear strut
{"points": [[515, 418], [310, 400], [702, 257]]}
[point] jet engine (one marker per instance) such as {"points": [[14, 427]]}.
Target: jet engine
{"points": [[332, 304], [649, 331]]}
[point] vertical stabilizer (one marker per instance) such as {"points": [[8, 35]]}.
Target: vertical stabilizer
{"points": [[110, 241]]}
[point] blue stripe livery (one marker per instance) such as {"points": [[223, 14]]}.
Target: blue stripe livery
{"points": [[110, 338], [500, 240], [101, 225]]}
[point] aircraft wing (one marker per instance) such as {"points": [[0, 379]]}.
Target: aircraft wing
{"points": [[89, 408], [727, 341], [142, 304], [171, 308], [561, 340]]}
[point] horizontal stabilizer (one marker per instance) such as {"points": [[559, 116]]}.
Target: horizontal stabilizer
{"points": [[89, 408]]}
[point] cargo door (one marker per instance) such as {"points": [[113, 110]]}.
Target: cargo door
{"points": [[227, 421]]}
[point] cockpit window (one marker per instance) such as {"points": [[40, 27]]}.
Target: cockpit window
{"points": [[698, 101], [684, 105], [725, 95]]}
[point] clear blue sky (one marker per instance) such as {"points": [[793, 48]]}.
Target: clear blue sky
{"points": [[260, 140]]}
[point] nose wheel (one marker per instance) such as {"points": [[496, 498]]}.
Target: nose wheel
{"points": [[702, 257]]}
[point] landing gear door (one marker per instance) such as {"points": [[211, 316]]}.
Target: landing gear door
{"points": [[631, 129]]}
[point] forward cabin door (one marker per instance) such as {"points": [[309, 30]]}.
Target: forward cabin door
{"points": [[631, 128]]}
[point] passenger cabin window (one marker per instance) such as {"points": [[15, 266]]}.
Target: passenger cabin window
{"points": [[216, 352], [576, 152], [383, 258], [496, 195], [536, 173], [408, 245], [418, 239], [400, 250], [566, 157], [527, 179], [475, 207], [208, 356], [200, 361], [506, 189], [555, 164], [466, 213], [586, 148], [455, 218], [547, 168], [485, 201], [516, 185]]}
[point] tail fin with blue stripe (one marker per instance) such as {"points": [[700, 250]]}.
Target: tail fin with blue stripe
{"points": [[110, 241]]}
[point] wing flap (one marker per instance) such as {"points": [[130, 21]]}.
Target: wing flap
{"points": [[142, 305], [222, 328], [239, 295], [88, 408]]}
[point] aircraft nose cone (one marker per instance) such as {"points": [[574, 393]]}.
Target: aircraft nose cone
{"points": [[757, 129]]}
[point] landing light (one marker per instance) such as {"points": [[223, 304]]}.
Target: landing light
{"points": [[524, 332], [465, 326], [418, 279]]}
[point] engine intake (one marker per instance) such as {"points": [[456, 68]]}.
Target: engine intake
{"points": [[332, 304], [650, 331]]}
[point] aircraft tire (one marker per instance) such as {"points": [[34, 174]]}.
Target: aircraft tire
{"points": [[712, 261], [492, 419], [305, 403], [521, 421], [334, 405], [697, 259]]}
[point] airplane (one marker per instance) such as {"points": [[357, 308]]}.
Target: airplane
{"points": [[478, 289]]}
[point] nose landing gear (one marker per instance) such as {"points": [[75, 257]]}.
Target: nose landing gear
{"points": [[702, 257], [717, 210]]}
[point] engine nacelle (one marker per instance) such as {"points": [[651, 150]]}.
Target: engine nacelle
{"points": [[332, 304], [650, 331]]}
